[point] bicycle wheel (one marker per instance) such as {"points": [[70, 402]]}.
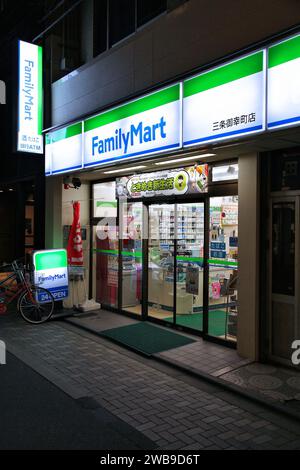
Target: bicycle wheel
{"points": [[36, 305]]}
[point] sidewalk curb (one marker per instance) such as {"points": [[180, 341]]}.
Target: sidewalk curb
{"points": [[223, 384], [229, 387]]}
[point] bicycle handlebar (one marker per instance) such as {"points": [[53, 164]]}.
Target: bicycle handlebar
{"points": [[14, 264]]}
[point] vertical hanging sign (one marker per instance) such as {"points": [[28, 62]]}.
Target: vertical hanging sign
{"points": [[30, 98]]}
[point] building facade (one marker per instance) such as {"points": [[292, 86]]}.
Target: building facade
{"points": [[174, 119]]}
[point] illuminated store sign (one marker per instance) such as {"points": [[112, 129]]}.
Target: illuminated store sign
{"points": [[148, 125], [51, 272], [164, 183], [63, 150], [225, 102], [283, 83], [236, 99], [30, 97]]}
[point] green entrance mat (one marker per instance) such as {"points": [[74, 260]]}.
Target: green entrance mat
{"points": [[216, 322], [147, 338]]}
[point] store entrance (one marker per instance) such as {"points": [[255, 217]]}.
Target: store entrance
{"points": [[191, 266], [173, 262], [176, 245]]}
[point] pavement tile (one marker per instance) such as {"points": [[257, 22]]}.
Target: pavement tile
{"points": [[170, 410]]}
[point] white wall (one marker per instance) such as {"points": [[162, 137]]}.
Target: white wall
{"points": [[248, 273]]}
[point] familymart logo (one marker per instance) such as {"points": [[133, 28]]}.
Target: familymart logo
{"points": [[141, 127], [123, 141], [28, 90], [52, 278]]}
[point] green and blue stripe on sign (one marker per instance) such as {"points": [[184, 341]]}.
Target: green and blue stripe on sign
{"points": [[64, 133], [160, 98], [284, 52], [225, 74], [283, 66]]}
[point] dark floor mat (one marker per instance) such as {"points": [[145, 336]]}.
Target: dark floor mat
{"points": [[147, 338]]}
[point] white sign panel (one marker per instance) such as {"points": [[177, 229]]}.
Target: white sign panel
{"points": [[225, 102], [64, 149], [30, 94], [148, 125], [283, 83]]}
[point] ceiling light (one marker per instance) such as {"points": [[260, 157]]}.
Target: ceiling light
{"points": [[195, 158], [139, 167], [10, 189]]}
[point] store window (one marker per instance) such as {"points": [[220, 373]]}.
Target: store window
{"points": [[64, 44], [105, 244], [121, 20], [146, 10], [223, 267], [131, 228], [189, 261], [115, 20], [100, 26], [161, 261]]}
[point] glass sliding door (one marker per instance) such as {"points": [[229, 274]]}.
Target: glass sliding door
{"points": [[223, 267], [131, 228], [161, 261], [189, 263]]}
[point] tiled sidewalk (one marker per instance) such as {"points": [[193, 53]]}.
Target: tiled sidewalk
{"points": [[172, 409], [205, 357], [199, 356], [276, 384]]}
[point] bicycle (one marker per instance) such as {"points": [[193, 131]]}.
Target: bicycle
{"points": [[34, 303]]}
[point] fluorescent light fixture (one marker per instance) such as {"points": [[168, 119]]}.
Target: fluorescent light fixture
{"points": [[225, 172], [10, 189], [195, 158], [139, 167]]}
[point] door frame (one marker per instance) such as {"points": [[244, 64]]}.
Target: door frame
{"points": [[283, 198], [201, 200], [205, 199]]}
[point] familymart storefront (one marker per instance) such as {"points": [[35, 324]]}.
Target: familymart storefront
{"points": [[170, 200]]}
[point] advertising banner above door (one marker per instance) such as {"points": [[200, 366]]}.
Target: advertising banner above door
{"points": [[63, 149], [283, 83], [225, 102], [30, 98], [148, 125], [164, 183]]}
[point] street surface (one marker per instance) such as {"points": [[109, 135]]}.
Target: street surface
{"points": [[100, 396]]}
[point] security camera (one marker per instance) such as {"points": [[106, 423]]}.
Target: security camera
{"points": [[76, 183]]}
